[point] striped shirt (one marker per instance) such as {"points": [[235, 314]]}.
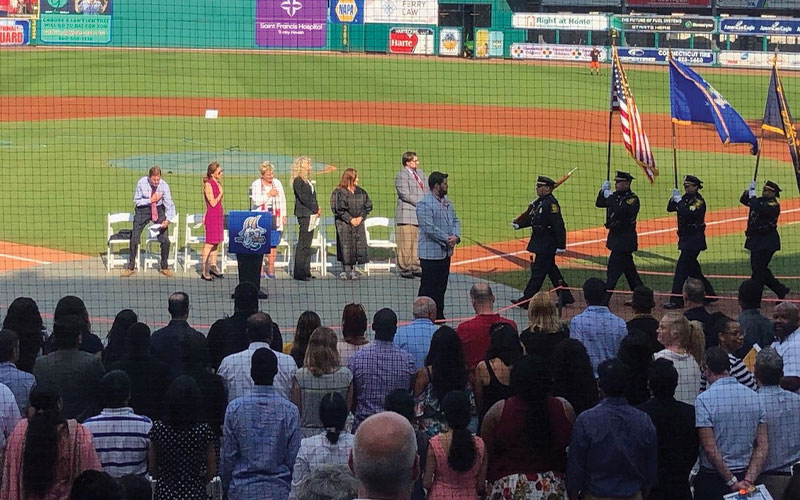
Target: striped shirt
{"points": [[738, 371], [121, 440]]}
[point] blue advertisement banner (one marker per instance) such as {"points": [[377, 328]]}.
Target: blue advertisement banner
{"points": [[251, 232], [643, 55], [347, 12], [15, 32], [496, 44], [758, 26]]}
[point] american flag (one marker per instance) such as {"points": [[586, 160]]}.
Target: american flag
{"points": [[633, 134]]}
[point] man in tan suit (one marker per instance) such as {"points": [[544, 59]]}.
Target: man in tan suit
{"points": [[411, 186]]}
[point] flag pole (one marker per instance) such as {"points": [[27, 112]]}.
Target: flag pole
{"points": [[761, 136], [613, 33], [674, 147]]}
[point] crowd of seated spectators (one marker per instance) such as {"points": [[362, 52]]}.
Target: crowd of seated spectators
{"points": [[691, 405]]}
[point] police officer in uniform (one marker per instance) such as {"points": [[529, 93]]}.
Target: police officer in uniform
{"points": [[691, 210], [622, 208], [762, 235], [548, 237]]}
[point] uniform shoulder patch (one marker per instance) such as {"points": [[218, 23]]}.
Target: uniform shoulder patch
{"points": [[632, 200], [554, 209], [772, 203]]}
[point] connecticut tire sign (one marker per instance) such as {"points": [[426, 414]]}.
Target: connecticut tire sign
{"points": [[664, 24]]}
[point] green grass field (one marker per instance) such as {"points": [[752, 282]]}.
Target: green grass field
{"points": [[61, 184]]}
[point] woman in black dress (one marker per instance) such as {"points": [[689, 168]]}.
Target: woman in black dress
{"points": [[350, 205], [305, 205]]}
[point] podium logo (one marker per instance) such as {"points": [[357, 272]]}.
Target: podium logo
{"points": [[252, 235]]}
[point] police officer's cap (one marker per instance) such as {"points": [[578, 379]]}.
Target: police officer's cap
{"points": [[771, 185], [623, 176], [545, 181], [693, 180]]}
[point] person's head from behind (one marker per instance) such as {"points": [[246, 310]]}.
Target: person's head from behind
{"points": [[446, 359], [573, 377], [662, 378], [354, 321], [531, 381], [23, 316], [138, 341], [9, 346], [67, 332], [542, 313], [178, 305], [136, 487], [716, 363], [769, 367], [95, 485], [643, 300], [482, 298], [424, 308], [322, 356], [384, 457], [245, 298], [750, 293], [306, 324], [329, 482], [612, 378], [694, 292], [259, 327], [594, 291], [183, 402], [40, 456], [115, 388], [401, 402], [504, 343], [457, 413], [333, 415], [384, 323], [785, 318], [119, 328], [194, 352], [70, 305], [263, 366]]}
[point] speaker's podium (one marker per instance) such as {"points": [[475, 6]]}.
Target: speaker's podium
{"points": [[250, 236]]}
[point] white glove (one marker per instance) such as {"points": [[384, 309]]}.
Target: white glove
{"points": [[515, 225], [752, 193], [676, 195], [606, 186], [752, 185], [561, 250], [607, 193]]}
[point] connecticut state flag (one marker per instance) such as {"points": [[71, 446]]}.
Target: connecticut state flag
{"points": [[694, 100], [778, 118]]}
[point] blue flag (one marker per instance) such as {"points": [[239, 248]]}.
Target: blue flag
{"points": [[694, 100], [778, 118]]}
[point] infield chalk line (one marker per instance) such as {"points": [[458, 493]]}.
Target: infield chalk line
{"points": [[24, 259], [602, 240]]}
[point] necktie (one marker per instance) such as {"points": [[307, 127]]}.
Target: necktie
{"points": [[416, 178], [153, 209]]}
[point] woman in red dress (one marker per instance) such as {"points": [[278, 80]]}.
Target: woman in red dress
{"points": [[213, 193]]}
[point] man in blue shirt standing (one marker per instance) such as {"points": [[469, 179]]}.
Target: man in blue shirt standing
{"points": [[613, 452], [439, 233], [731, 420], [597, 328], [260, 437], [415, 337], [153, 202]]}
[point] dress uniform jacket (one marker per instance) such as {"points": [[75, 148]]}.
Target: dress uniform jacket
{"points": [[547, 226], [622, 208], [762, 223], [691, 222]]}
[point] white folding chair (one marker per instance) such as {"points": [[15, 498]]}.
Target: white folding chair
{"points": [[283, 252], [154, 259], [225, 258], [384, 225], [192, 239], [321, 243], [125, 221]]}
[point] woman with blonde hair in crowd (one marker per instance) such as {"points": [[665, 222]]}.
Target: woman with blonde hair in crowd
{"points": [[305, 205], [213, 221], [354, 331], [267, 195], [545, 329], [684, 344], [350, 205], [321, 374]]}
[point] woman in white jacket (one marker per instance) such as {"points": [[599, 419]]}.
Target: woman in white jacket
{"points": [[266, 194]]}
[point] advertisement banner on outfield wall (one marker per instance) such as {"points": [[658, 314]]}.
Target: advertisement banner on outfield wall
{"points": [[743, 59], [411, 41], [81, 21], [758, 26], [291, 24], [19, 8], [401, 11], [758, 4], [496, 43], [544, 51], [670, 3], [664, 24], [347, 12], [650, 55], [572, 22], [15, 32], [581, 3], [450, 42]]}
